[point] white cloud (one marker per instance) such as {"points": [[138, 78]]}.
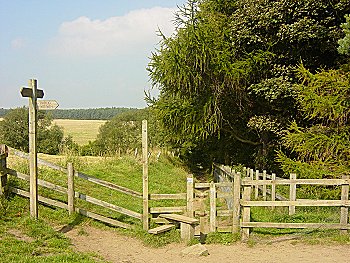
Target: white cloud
{"points": [[18, 43], [115, 35]]}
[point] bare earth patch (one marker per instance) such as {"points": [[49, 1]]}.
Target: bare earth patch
{"points": [[122, 249]]}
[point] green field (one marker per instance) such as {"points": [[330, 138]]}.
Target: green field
{"points": [[82, 131]]}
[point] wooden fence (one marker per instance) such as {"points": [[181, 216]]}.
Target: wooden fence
{"points": [[72, 195], [242, 193]]}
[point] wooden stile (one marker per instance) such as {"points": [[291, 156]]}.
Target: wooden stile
{"points": [[246, 212], [236, 202]]}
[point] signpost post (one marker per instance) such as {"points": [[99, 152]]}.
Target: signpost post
{"points": [[33, 93]]}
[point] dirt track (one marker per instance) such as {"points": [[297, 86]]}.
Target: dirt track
{"points": [[118, 248]]}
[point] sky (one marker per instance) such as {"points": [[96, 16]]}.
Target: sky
{"points": [[83, 53]]}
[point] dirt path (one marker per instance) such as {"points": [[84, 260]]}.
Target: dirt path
{"points": [[122, 249]]}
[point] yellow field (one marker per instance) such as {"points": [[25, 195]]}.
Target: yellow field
{"points": [[82, 131]]}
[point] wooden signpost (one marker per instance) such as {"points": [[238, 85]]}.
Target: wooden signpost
{"points": [[33, 93]]}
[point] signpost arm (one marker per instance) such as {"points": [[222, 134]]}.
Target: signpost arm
{"points": [[33, 166]]}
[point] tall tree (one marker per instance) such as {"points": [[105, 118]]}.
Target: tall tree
{"points": [[226, 78]]}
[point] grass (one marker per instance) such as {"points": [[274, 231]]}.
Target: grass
{"points": [[82, 131]]}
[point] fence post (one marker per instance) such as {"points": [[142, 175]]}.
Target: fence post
{"points": [[257, 186], [344, 210], [247, 190], [273, 189], [212, 207], [292, 193], [3, 169], [236, 202], [190, 192], [71, 194], [145, 215], [264, 185]]}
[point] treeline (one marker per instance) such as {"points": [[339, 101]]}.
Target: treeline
{"points": [[81, 114]]}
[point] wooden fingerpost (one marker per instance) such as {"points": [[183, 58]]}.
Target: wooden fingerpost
{"points": [[344, 210], [292, 193], [212, 192], [145, 214], [3, 169], [247, 190], [70, 188], [236, 202], [273, 188]]}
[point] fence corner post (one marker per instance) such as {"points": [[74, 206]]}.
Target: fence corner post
{"points": [[70, 188], [236, 202], [3, 169]]}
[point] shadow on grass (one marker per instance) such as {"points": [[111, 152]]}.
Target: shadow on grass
{"points": [[77, 220]]}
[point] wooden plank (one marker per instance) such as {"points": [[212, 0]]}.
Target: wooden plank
{"points": [[212, 216], [104, 204], [70, 187], [201, 185], [236, 214], [181, 196], [160, 229], [40, 198], [297, 181], [294, 225], [180, 218], [344, 211], [164, 209], [190, 195], [145, 204], [160, 221], [104, 219], [298, 202], [292, 193], [108, 185], [46, 184], [228, 213]]}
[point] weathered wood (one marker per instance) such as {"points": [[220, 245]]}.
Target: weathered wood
{"points": [[46, 184], [294, 225], [33, 165], [257, 179], [160, 229], [212, 207], [40, 198], [160, 221], [3, 169], [180, 218], [190, 194], [70, 187], [228, 213], [298, 202], [104, 219], [273, 189], [104, 204], [181, 196], [145, 216], [246, 212], [236, 203], [207, 185], [28, 92], [109, 185], [292, 193], [297, 181], [159, 210], [264, 186], [344, 211]]}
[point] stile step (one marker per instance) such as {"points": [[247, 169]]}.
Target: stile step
{"points": [[160, 229]]}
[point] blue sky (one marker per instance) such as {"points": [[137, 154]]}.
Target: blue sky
{"points": [[84, 53]]}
